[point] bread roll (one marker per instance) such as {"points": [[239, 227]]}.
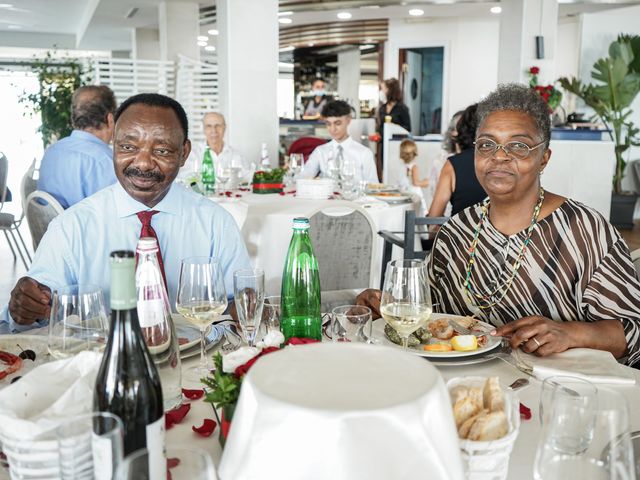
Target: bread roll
{"points": [[465, 428], [491, 426], [464, 408], [492, 396], [458, 393]]}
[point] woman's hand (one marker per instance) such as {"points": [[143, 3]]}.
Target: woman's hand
{"points": [[370, 298], [539, 335]]}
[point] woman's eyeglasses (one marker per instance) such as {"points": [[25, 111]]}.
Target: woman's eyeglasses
{"points": [[518, 150]]}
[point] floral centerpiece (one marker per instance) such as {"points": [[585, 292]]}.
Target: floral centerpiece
{"points": [[268, 181], [225, 382], [551, 95]]}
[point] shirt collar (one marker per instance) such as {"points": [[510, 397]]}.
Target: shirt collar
{"points": [[344, 144], [89, 137], [126, 205]]}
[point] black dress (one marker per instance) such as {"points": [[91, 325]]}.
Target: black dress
{"points": [[468, 190], [399, 115]]}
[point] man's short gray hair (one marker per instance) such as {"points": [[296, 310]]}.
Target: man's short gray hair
{"points": [[519, 98]]}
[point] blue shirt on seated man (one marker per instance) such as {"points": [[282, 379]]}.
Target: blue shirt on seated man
{"points": [[81, 164], [150, 146]]}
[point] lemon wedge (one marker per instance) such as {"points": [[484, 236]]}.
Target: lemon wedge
{"points": [[464, 343]]}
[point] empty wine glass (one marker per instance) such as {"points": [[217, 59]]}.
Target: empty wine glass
{"points": [[296, 162], [223, 175], [406, 300], [201, 299], [78, 320], [351, 323], [182, 464], [560, 385], [271, 313], [248, 290]]}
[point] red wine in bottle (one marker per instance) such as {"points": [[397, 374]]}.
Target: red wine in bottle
{"points": [[128, 384]]}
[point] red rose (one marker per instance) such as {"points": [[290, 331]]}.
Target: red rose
{"points": [[242, 370], [534, 70], [549, 88]]}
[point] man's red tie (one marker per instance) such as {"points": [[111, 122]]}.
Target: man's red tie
{"points": [[148, 231]]}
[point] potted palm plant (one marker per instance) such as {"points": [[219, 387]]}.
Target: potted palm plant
{"points": [[618, 84]]}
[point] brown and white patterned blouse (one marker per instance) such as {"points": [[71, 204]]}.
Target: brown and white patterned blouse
{"points": [[576, 268]]}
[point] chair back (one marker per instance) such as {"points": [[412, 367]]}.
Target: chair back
{"points": [[635, 258], [412, 228], [28, 185], [4, 172], [305, 146], [40, 208], [343, 242]]}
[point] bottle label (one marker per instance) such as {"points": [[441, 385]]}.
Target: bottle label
{"points": [[102, 457], [155, 447], [150, 312]]}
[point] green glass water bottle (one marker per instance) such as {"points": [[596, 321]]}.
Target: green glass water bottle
{"points": [[208, 172], [300, 295]]}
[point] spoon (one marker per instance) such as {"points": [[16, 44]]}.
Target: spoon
{"points": [[518, 384]]}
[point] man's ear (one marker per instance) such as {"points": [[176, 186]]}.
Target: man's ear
{"points": [[186, 150]]}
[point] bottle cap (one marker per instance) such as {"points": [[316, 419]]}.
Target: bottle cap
{"points": [[147, 244], [300, 223]]}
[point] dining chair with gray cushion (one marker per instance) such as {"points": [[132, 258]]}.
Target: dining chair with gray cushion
{"points": [[9, 225], [635, 258], [40, 209], [343, 242]]}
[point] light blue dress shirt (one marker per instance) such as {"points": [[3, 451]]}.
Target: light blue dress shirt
{"points": [[76, 247], [76, 167]]}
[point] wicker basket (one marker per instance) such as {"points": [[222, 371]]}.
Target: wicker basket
{"points": [[489, 460]]}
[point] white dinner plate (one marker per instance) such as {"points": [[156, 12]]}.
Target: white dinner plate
{"points": [[188, 335], [213, 338], [378, 333]]}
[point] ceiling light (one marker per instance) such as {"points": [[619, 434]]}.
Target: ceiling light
{"points": [[287, 49], [210, 48], [202, 38], [416, 12], [213, 32], [344, 15], [495, 10], [202, 44], [285, 20], [284, 14], [14, 27]]}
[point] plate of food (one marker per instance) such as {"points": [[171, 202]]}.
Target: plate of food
{"points": [[439, 341], [391, 197], [19, 354], [380, 187]]}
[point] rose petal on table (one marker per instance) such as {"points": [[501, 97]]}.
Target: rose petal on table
{"points": [[193, 394], [176, 415], [173, 462], [525, 412], [281, 194], [238, 195], [300, 341], [207, 428]]}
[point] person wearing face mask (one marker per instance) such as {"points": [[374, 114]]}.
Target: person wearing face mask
{"points": [[314, 108], [392, 109]]}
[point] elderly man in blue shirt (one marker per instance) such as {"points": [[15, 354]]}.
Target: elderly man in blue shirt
{"points": [[150, 145], [79, 165]]}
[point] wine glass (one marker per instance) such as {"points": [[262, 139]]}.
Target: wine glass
{"points": [[579, 441], [201, 299], [271, 313], [223, 175], [182, 463], [406, 300], [78, 320], [248, 291], [560, 385], [351, 323], [296, 161]]}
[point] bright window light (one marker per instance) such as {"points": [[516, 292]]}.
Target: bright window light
{"points": [[285, 14], [344, 15], [416, 12], [202, 38], [213, 32], [285, 20], [495, 10], [202, 44], [210, 48]]}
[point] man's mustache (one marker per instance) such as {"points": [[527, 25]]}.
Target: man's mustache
{"points": [[136, 172]]}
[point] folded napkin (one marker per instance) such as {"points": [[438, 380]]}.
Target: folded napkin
{"points": [[47, 395], [595, 366]]}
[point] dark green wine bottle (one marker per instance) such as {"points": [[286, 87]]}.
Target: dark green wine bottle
{"points": [[300, 295], [128, 384]]}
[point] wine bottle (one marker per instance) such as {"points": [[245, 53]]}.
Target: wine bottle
{"points": [[300, 294], [154, 315], [128, 384]]}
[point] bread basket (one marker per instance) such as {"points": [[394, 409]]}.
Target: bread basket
{"points": [[489, 460]]}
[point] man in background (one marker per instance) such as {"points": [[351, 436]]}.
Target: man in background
{"points": [[342, 149], [79, 165], [222, 154]]}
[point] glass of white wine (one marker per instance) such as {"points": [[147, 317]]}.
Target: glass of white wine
{"points": [[202, 297], [406, 299]]}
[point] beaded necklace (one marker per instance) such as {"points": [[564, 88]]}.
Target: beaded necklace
{"points": [[488, 300]]}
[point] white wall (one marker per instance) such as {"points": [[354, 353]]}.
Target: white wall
{"points": [[470, 56], [567, 57]]}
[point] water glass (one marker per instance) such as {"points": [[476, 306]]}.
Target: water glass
{"points": [[183, 464], [248, 288], [561, 385], [296, 162], [271, 313], [351, 323], [90, 446], [596, 446], [78, 320]]}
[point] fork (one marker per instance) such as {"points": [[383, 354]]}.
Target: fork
{"points": [[504, 353]]}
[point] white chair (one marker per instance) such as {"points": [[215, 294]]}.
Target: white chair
{"points": [[635, 258], [40, 209], [8, 223], [344, 243]]}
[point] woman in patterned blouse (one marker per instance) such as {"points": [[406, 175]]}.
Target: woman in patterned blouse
{"points": [[548, 272]]}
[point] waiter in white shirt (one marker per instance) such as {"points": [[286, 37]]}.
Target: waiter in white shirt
{"points": [[221, 152], [337, 117]]}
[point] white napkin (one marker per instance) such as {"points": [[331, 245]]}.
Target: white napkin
{"points": [[370, 202], [595, 366], [48, 394]]}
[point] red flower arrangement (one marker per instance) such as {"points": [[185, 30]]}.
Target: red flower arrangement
{"points": [[550, 94]]}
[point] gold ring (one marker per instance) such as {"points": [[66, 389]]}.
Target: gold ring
{"points": [[537, 342]]}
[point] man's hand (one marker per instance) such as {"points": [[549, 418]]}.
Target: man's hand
{"points": [[539, 335], [370, 298], [30, 301]]}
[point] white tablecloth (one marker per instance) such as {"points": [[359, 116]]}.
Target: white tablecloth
{"points": [[266, 225]]}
